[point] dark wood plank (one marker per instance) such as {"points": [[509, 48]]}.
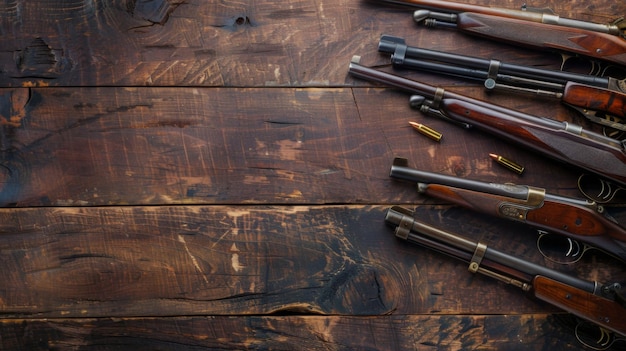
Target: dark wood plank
{"points": [[217, 43], [240, 202], [516, 332], [181, 260], [104, 146]]}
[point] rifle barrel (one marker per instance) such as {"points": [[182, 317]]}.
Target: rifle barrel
{"points": [[474, 67], [415, 87], [406, 173], [495, 259], [522, 14]]}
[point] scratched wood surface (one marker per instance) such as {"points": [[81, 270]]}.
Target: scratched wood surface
{"points": [[141, 263], [107, 146], [205, 175], [517, 332]]}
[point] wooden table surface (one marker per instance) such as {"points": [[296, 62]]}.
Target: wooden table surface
{"points": [[200, 174]]}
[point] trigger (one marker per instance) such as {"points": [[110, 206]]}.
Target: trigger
{"points": [[564, 58]]}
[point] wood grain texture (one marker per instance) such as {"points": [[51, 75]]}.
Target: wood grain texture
{"points": [[474, 332], [204, 175], [182, 260], [217, 43], [106, 146], [612, 102]]}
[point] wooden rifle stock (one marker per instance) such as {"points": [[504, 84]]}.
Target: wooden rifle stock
{"points": [[606, 160], [553, 214], [545, 36], [594, 98]]}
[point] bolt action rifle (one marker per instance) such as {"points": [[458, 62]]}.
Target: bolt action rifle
{"points": [[581, 220], [592, 96], [535, 28], [601, 304], [568, 143]]}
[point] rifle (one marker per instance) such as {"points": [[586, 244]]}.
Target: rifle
{"points": [[568, 143], [594, 302], [528, 28], [584, 93], [581, 220]]}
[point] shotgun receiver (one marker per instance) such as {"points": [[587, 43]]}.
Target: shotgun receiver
{"points": [[562, 141], [591, 96], [600, 304], [581, 220], [533, 28]]}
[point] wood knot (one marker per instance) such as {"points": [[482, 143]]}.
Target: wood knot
{"points": [[459, 169], [37, 56], [240, 21], [358, 289], [236, 22], [39, 60], [458, 165], [153, 11]]}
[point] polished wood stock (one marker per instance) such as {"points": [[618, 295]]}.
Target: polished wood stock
{"points": [[577, 222], [545, 36], [595, 99], [604, 312]]}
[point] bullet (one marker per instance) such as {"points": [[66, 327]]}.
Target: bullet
{"points": [[429, 132], [510, 165]]}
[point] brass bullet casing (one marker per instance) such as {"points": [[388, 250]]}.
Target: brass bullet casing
{"points": [[429, 132], [508, 164]]}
